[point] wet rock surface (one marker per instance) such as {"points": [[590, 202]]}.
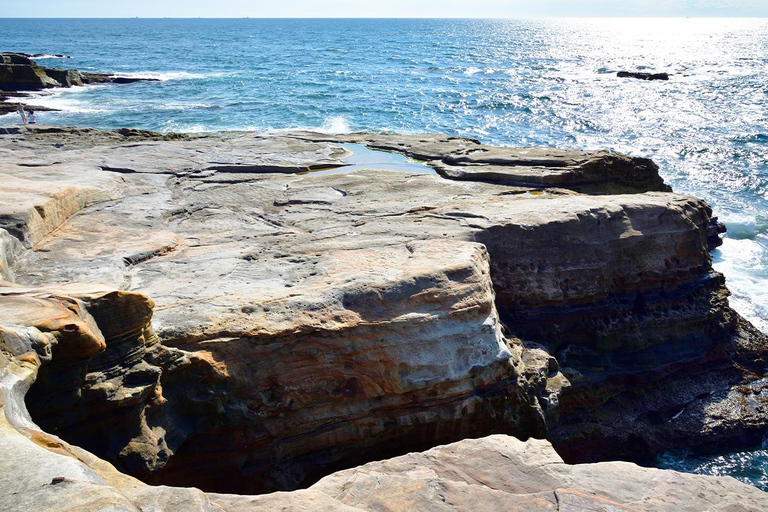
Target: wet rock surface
{"points": [[260, 325]]}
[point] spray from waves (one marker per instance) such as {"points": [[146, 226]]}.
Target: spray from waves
{"points": [[334, 125], [743, 258], [172, 126]]}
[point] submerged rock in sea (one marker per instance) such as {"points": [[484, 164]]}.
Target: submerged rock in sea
{"points": [[643, 76], [302, 322]]}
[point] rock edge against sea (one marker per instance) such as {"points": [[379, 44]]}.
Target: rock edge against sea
{"points": [[213, 312]]}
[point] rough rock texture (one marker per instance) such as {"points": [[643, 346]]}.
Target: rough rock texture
{"points": [[305, 322]]}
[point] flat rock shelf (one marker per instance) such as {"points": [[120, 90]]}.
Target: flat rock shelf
{"points": [[192, 323]]}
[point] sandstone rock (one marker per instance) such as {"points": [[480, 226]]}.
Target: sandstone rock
{"points": [[310, 322], [503, 473], [10, 248]]}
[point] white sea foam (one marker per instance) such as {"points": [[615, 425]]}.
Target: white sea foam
{"points": [[742, 225], [744, 263], [48, 56], [170, 75], [64, 100], [334, 125], [179, 106], [173, 126]]}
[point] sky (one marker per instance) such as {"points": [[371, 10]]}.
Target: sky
{"points": [[381, 8]]}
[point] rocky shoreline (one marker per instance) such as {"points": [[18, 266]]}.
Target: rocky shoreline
{"points": [[19, 75], [210, 312]]}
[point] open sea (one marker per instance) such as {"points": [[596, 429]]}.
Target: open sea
{"points": [[506, 82]]}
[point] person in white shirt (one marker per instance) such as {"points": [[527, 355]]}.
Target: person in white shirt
{"points": [[31, 117]]}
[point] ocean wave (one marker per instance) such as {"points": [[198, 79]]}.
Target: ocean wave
{"points": [[744, 263], [180, 127], [171, 75], [63, 101], [48, 56], [744, 225], [178, 106], [758, 138], [334, 125]]}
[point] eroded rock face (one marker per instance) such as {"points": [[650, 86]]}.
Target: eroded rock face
{"points": [[404, 361], [310, 322]]}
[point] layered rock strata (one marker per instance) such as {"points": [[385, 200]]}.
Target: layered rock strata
{"points": [[306, 321]]}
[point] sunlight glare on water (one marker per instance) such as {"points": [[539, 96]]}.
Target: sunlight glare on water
{"points": [[511, 82]]}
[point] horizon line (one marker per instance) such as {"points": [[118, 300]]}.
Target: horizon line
{"points": [[371, 17]]}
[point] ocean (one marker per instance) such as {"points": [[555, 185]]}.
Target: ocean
{"points": [[507, 82]]}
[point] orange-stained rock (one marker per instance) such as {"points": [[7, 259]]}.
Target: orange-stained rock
{"points": [[73, 332]]}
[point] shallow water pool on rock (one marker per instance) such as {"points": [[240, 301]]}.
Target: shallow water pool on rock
{"points": [[363, 157]]}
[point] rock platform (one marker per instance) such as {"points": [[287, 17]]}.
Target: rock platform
{"points": [[218, 312]]}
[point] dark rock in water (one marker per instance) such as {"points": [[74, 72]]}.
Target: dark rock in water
{"points": [[9, 108], [43, 55], [102, 78], [127, 80], [65, 77], [19, 73], [715, 228], [643, 76]]}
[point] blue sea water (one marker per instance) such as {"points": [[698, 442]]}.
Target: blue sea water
{"points": [[512, 82]]}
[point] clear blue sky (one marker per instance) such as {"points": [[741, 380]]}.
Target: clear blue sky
{"points": [[380, 8]]}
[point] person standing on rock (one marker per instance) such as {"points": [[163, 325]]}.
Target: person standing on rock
{"points": [[32, 118], [23, 114]]}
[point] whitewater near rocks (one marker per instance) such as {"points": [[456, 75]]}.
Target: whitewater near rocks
{"points": [[212, 312]]}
